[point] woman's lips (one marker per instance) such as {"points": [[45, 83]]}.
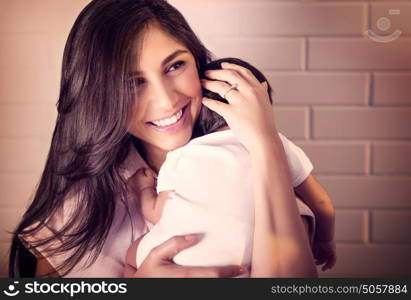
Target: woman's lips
{"points": [[174, 126]]}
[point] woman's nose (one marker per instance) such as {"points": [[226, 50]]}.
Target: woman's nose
{"points": [[163, 96]]}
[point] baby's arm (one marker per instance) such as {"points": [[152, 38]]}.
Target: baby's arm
{"points": [[144, 185], [152, 205], [311, 192]]}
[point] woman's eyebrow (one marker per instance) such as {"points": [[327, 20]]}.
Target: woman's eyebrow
{"points": [[164, 62], [172, 56]]}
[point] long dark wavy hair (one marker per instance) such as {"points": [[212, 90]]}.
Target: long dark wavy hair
{"points": [[90, 139]]}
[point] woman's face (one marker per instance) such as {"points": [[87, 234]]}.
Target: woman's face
{"points": [[168, 92]]}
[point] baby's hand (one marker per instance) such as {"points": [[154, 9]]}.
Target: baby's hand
{"points": [[325, 253], [142, 179]]}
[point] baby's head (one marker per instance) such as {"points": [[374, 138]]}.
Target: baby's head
{"points": [[209, 121]]}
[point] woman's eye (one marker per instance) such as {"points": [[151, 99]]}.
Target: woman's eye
{"points": [[177, 65], [137, 81]]}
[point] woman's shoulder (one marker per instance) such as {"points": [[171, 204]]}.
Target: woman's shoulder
{"points": [[132, 163], [43, 236], [55, 220], [128, 224]]}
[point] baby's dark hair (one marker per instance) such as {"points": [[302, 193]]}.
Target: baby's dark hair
{"points": [[209, 121]]}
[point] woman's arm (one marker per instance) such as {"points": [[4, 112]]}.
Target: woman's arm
{"points": [[159, 262], [281, 246]]}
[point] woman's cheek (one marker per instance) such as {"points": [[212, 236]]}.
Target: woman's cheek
{"points": [[191, 82], [190, 86]]}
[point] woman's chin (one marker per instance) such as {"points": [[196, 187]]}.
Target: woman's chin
{"points": [[176, 142]]}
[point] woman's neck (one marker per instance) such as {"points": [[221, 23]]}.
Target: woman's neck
{"points": [[154, 157]]}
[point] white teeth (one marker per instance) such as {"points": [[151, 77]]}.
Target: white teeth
{"points": [[169, 121]]}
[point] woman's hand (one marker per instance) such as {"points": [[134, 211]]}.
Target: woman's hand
{"points": [[159, 262], [248, 112]]}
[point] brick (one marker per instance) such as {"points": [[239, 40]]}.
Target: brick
{"points": [[357, 123], [319, 88], [24, 50], [349, 226], [17, 190], [291, 121], [368, 192], [56, 50], [336, 157], [391, 158], [264, 53], [32, 85], [205, 18], [371, 261], [396, 22], [23, 155], [392, 89], [302, 19], [391, 226], [36, 121], [358, 54], [39, 16]]}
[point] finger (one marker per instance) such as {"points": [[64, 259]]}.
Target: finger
{"points": [[168, 249], [325, 266], [331, 262], [265, 85], [211, 272], [216, 106], [246, 73], [229, 76], [139, 172], [219, 87], [230, 271], [328, 265], [149, 172]]}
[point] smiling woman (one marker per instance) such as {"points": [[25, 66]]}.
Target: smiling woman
{"points": [[130, 93], [168, 95], [82, 206]]}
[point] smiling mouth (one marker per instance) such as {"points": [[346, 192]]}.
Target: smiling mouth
{"points": [[170, 120]]}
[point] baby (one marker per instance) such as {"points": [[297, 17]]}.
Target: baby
{"points": [[206, 187]]}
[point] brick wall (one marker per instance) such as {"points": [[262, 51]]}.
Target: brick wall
{"points": [[345, 99]]}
